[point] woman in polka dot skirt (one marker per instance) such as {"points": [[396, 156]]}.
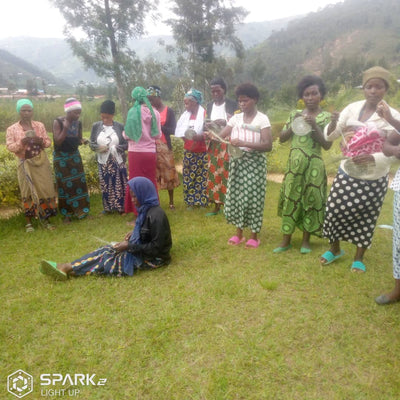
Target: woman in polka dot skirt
{"points": [[359, 188]]}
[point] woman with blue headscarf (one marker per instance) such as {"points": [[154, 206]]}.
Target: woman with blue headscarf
{"points": [[146, 247], [190, 128], [142, 129], [27, 139]]}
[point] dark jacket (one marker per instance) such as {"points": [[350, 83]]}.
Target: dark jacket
{"points": [[118, 128], [230, 107], [155, 236], [169, 127]]}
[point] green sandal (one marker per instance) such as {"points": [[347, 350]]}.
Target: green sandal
{"points": [[50, 268]]}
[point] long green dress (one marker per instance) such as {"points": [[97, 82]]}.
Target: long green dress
{"points": [[303, 191]]}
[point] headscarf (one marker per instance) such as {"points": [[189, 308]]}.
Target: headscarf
{"points": [[146, 194], [376, 72], [107, 107], [72, 104], [23, 102], [133, 126], [154, 91], [194, 94]]}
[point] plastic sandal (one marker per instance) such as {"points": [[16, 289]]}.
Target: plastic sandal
{"points": [[282, 249], [29, 228], [235, 241], [252, 244], [358, 266], [330, 257], [50, 268]]}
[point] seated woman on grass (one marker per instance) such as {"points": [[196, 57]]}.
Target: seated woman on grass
{"points": [[146, 247]]}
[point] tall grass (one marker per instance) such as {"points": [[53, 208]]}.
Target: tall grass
{"points": [[219, 322]]}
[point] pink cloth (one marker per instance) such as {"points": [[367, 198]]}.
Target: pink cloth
{"points": [[140, 164], [364, 141], [146, 143]]}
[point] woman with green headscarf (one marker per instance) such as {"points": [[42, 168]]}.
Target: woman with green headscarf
{"points": [[142, 129], [27, 139]]}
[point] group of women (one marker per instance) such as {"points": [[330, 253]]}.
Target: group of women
{"points": [[221, 142]]}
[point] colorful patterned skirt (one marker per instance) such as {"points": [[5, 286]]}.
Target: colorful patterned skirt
{"points": [[73, 197], [195, 174], [218, 171], [113, 180], [140, 164], [244, 205], [303, 194], [167, 176], [352, 209], [106, 261], [36, 184]]}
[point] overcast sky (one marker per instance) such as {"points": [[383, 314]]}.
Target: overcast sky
{"points": [[38, 18]]}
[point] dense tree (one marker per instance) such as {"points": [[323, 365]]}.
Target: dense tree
{"points": [[198, 27], [98, 32]]}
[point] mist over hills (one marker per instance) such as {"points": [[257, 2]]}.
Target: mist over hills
{"points": [[336, 42], [54, 55]]}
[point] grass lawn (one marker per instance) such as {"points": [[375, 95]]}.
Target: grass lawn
{"points": [[218, 323]]}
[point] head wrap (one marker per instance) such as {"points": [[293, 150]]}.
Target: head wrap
{"points": [[194, 94], [154, 91], [72, 104], [376, 72], [23, 102], [133, 126], [107, 107], [146, 194]]}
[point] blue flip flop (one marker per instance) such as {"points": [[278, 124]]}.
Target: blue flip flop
{"points": [[358, 266], [330, 257], [50, 268]]}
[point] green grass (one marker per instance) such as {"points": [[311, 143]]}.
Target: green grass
{"points": [[218, 323]]}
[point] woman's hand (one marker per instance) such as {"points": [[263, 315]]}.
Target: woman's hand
{"points": [[102, 149], [128, 236], [121, 246], [383, 110], [237, 142]]}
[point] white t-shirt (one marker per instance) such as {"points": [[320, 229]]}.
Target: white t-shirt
{"points": [[248, 132], [218, 112]]}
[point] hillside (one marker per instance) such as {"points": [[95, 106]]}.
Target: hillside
{"points": [[54, 55], [337, 42], [16, 72]]}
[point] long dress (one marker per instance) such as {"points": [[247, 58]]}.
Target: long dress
{"points": [[303, 192], [35, 177], [73, 196], [113, 174], [247, 183]]}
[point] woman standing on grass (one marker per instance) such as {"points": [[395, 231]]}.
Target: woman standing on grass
{"points": [[219, 111], [249, 130], [107, 141], [359, 188], [190, 128], [303, 191], [27, 139], [73, 196], [391, 147], [146, 247], [167, 177], [142, 129]]}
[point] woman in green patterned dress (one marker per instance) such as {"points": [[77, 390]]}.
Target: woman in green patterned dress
{"points": [[303, 192], [250, 131]]}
